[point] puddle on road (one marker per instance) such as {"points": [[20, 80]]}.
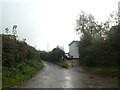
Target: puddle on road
{"points": [[67, 83], [67, 78], [100, 86], [90, 86]]}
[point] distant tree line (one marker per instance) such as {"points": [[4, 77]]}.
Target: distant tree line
{"points": [[99, 44]]}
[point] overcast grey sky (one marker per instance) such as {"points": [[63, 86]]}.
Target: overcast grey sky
{"points": [[50, 21]]}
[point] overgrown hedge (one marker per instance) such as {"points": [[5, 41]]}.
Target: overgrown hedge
{"points": [[15, 51], [54, 56], [20, 60]]}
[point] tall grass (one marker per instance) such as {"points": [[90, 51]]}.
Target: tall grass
{"points": [[104, 71], [62, 64], [18, 74]]}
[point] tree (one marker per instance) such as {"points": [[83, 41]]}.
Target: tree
{"points": [[99, 45], [54, 56], [57, 54], [86, 24], [7, 30], [14, 30], [43, 55]]}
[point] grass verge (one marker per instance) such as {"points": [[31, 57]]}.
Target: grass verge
{"points": [[104, 71], [14, 76], [62, 64]]}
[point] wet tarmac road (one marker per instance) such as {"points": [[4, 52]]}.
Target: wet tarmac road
{"points": [[53, 76]]}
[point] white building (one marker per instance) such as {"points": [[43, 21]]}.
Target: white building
{"points": [[73, 49]]}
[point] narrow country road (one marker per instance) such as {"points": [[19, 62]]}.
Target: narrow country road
{"points": [[53, 76]]}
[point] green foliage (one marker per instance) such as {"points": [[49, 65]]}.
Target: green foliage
{"points": [[19, 60], [54, 56], [14, 76], [14, 51], [105, 71], [62, 64], [99, 45], [43, 54]]}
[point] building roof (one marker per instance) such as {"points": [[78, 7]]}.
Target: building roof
{"points": [[72, 42]]}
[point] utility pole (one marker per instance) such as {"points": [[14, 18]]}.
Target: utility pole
{"points": [[47, 46]]}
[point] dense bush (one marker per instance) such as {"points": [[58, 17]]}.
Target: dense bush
{"points": [[43, 55], [19, 60], [53, 56], [15, 52]]}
